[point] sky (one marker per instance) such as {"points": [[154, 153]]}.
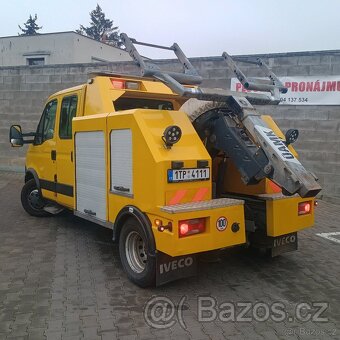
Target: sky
{"points": [[200, 27]]}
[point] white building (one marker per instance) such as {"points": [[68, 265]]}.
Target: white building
{"points": [[56, 48]]}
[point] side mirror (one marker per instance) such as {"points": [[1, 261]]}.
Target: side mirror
{"points": [[291, 136], [15, 136]]}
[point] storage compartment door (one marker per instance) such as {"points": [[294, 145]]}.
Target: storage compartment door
{"points": [[121, 162], [91, 174]]}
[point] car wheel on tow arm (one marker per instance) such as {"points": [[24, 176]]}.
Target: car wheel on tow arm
{"points": [[134, 254], [31, 200]]}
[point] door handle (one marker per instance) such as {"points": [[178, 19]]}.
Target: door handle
{"points": [[121, 188], [90, 212], [53, 155]]}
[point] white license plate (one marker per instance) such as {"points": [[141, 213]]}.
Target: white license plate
{"points": [[186, 175]]}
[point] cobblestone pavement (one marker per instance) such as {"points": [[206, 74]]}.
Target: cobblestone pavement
{"points": [[61, 278]]}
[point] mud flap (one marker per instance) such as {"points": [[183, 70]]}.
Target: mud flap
{"points": [[284, 243], [170, 268], [275, 245]]}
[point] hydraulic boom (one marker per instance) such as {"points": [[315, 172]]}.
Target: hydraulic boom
{"points": [[232, 125]]}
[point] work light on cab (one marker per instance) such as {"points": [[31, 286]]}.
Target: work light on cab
{"points": [[191, 227]]}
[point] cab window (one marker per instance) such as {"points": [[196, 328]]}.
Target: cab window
{"points": [[123, 103], [46, 125], [67, 112]]}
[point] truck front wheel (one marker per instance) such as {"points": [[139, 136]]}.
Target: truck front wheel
{"points": [[134, 255], [31, 201]]}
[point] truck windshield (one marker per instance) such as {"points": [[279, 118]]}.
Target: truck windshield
{"points": [[138, 103]]}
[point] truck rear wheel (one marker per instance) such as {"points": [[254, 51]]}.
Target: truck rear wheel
{"points": [[134, 255], [31, 201]]}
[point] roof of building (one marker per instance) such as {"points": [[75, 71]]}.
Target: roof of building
{"points": [[57, 33]]}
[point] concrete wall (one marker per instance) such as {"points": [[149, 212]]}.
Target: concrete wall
{"points": [[57, 48], [23, 91]]}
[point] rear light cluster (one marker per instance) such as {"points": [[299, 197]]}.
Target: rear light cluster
{"points": [[121, 84], [305, 208], [185, 227], [161, 227], [191, 227]]}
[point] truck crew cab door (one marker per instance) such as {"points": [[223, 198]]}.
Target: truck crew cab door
{"points": [[65, 163], [41, 156]]}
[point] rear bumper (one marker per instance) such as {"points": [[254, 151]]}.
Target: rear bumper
{"points": [[282, 214], [171, 244]]}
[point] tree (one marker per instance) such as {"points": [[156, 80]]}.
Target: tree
{"points": [[101, 28], [31, 27]]}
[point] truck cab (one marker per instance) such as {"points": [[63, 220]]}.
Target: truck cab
{"points": [[50, 157]]}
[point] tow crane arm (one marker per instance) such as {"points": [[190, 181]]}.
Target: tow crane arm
{"points": [[236, 128]]}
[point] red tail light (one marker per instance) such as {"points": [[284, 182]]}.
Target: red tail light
{"points": [[191, 227], [118, 84], [305, 208], [121, 84]]}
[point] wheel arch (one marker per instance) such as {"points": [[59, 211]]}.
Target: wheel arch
{"points": [[32, 174], [132, 211]]}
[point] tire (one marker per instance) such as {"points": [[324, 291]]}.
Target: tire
{"points": [[31, 201], [134, 255]]}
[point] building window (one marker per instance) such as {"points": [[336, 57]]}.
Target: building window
{"points": [[35, 61]]}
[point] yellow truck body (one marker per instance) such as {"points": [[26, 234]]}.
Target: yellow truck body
{"points": [[111, 128]]}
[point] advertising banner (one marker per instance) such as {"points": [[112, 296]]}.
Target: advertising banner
{"points": [[308, 90]]}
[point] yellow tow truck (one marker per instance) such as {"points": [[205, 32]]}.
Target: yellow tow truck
{"points": [[173, 169]]}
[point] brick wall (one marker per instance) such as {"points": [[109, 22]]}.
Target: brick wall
{"points": [[23, 91]]}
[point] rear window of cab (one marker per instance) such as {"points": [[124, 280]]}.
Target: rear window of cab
{"points": [[141, 103]]}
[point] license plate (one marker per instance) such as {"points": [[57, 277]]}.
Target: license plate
{"points": [[187, 175]]}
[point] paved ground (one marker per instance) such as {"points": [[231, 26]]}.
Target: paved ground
{"points": [[60, 278]]}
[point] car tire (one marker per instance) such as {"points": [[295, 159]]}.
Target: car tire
{"points": [[31, 200], [134, 247]]}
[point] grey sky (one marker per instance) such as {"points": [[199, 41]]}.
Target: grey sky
{"points": [[202, 28]]}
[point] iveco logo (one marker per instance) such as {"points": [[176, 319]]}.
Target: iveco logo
{"points": [[221, 223], [284, 240], [176, 264]]}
